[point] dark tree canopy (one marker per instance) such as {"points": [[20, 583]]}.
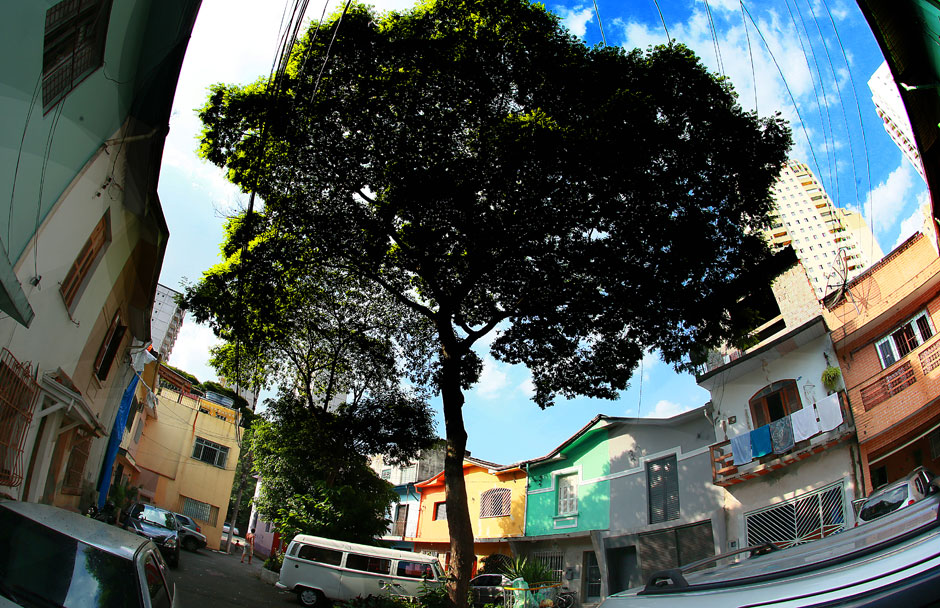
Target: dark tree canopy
{"points": [[486, 169]]}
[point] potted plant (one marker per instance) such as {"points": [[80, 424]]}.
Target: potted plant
{"points": [[830, 378]]}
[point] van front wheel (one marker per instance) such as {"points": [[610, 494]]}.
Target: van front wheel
{"points": [[311, 597]]}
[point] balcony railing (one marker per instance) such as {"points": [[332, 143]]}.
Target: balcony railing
{"points": [[902, 375], [725, 473]]}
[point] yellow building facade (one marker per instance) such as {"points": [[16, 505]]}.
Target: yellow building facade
{"points": [[182, 453], [496, 500]]}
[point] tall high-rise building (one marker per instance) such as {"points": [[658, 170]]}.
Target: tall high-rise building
{"points": [[166, 320], [888, 104], [834, 244]]}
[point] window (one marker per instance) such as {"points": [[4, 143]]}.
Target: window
{"points": [[552, 560], [567, 495], [414, 570], [73, 46], [903, 339], [440, 511], [774, 401], [210, 452], [401, 520], [321, 555], [80, 272], [109, 348], [156, 584], [17, 393], [78, 456], [662, 479], [202, 511], [368, 563], [495, 502]]}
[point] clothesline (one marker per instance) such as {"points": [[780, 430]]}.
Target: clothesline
{"points": [[781, 435]]}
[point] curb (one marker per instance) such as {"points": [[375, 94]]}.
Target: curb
{"points": [[269, 576]]}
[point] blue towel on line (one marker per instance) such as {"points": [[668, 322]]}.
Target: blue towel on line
{"points": [[760, 441]]}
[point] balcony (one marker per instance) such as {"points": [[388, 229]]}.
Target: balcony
{"points": [[725, 473], [904, 374]]}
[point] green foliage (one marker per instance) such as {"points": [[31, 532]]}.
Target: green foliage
{"points": [[182, 373], [830, 377], [433, 596], [274, 562], [468, 165], [123, 494], [313, 477], [530, 570], [376, 601], [495, 563]]}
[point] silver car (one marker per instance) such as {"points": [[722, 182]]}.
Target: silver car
{"points": [[897, 495], [53, 557]]}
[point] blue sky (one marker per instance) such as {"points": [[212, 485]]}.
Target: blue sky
{"points": [[823, 49]]}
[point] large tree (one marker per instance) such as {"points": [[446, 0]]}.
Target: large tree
{"points": [[489, 171]]}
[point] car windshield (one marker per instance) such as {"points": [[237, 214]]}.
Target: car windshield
{"points": [[161, 518], [878, 506], [42, 567]]}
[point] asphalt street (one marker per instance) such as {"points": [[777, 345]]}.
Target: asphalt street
{"points": [[211, 579]]}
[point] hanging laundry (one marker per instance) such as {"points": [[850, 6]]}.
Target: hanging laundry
{"points": [[781, 435], [830, 412], [760, 441], [804, 423], [741, 449]]}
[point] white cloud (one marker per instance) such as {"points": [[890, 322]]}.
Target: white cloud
{"points": [[575, 19], [191, 352], [527, 387], [493, 379], [887, 200], [914, 222], [667, 409]]}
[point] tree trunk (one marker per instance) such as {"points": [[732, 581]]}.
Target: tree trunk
{"points": [[246, 471], [462, 556]]}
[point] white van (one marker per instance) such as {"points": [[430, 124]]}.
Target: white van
{"points": [[318, 569]]}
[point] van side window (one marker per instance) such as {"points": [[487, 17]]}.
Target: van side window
{"points": [[415, 570], [319, 554], [366, 563]]}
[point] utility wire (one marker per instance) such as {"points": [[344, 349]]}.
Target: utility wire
{"points": [[600, 23], [750, 54], [661, 18], [714, 33]]}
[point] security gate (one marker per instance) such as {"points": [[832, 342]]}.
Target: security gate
{"points": [[799, 520]]}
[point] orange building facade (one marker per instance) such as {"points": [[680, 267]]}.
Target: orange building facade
{"points": [[496, 499], [886, 338]]}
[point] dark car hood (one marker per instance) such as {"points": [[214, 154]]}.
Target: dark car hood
{"points": [[145, 528]]}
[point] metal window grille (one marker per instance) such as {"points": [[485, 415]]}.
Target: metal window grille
{"points": [[73, 45], [196, 509], [210, 452], [78, 457], [495, 502], [799, 520], [553, 560], [17, 394], [567, 495]]}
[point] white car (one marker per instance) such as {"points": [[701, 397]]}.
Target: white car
{"points": [[226, 527], [54, 557], [902, 493], [893, 563]]}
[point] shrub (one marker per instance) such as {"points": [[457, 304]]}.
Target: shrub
{"points": [[531, 571], [274, 562]]}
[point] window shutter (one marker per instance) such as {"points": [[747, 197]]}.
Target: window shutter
{"points": [[663, 489]]}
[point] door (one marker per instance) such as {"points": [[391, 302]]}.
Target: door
{"points": [[623, 571]]}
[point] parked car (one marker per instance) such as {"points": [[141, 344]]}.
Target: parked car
{"points": [[225, 528], [191, 536], [897, 495], [159, 525], [488, 588], [322, 569], [894, 563], [54, 557]]}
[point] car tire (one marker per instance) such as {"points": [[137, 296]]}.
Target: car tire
{"points": [[311, 597], [191, 544]]}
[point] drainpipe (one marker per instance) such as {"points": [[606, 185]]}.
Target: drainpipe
{"points": [[525, 507]]}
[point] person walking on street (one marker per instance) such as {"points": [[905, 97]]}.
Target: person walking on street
{"points": [[249, 547]]}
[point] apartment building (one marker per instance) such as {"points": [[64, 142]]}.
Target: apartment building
{"points": [[166, 320], [834, 244], [893, 114], [86, 103]]}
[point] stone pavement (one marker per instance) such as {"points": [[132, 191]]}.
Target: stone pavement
{"points": [[211, 579]]}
